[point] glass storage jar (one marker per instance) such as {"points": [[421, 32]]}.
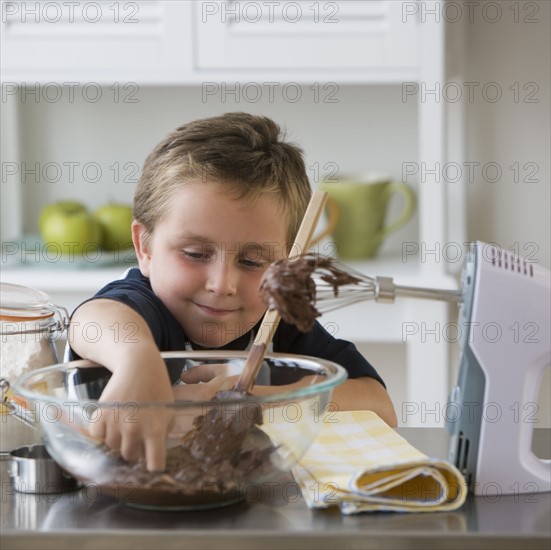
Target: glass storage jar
{"points": [[30, 327]]}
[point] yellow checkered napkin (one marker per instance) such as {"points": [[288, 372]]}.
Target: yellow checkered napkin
{"points": [[359, 463]]}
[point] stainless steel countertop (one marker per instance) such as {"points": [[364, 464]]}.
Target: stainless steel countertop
{"points": [[275, 517]]}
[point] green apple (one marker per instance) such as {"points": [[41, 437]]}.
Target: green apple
{"points": [[71, 231], [115, 220], [70, 207]]}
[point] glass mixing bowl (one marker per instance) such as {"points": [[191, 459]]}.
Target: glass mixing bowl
{"points": [[216, 450]]}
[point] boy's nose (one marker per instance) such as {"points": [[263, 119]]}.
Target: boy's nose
{"points": [[222, 278]]}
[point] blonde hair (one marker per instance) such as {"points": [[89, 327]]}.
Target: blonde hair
{"points": [[245, 153]]}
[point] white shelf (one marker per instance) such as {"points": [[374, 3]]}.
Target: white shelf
{"points": [[62, 279], [66, 287], [365, 321]]}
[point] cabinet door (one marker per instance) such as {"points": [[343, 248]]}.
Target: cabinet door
{"points": [[352, 34], [94, 41]]}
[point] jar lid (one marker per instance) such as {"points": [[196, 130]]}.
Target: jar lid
{"points": [[23, 303]]}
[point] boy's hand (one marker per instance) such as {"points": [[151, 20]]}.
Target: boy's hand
{"points": [[208, 371], [139, 376], [204, 381], [132, 429]]}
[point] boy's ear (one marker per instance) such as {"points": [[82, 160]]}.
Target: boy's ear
{"points": [[141, 244]]}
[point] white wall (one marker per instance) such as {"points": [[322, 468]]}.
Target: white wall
{"points": [[508, 132]]}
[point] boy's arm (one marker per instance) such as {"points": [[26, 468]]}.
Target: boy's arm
{"points": [[365, 394], [353, 394], [124, 344]]}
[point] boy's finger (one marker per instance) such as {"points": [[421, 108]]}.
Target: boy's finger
{"points": [[113, 438], [221, 383], [200, 373], [97, 430], [155, 454], [131, 448]]}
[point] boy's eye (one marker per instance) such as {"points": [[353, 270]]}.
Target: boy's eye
{"points": [[196, 256], [251, 264]]}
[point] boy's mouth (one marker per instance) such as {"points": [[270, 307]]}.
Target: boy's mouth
{"points": [[215, 310]]}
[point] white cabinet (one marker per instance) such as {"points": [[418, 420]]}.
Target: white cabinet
{"points": [[79, 43], [336, 36], [184, 42]]}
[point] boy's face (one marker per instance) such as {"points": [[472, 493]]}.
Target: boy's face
{"points": [[206, 257]]}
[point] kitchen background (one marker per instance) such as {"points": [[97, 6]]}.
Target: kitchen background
{"points": [[350, 124]]}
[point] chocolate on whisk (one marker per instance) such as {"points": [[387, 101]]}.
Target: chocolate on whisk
{"points": [[288, 286], [300, 289]]}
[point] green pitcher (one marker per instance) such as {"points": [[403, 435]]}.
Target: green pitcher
{"points": [[361, 225]]}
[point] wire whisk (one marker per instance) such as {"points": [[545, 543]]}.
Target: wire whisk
{"points": [[304, 288]]}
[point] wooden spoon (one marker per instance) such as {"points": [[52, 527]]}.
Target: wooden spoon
{"points": [[271, 318]]}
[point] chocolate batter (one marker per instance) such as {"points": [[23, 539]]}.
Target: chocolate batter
{"points": [[222, 453], [288, 287]]}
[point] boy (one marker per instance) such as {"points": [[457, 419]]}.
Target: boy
{"points": [[219, 199]]}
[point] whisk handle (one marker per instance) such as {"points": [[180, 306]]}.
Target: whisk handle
{"points": [[454, 296]]}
